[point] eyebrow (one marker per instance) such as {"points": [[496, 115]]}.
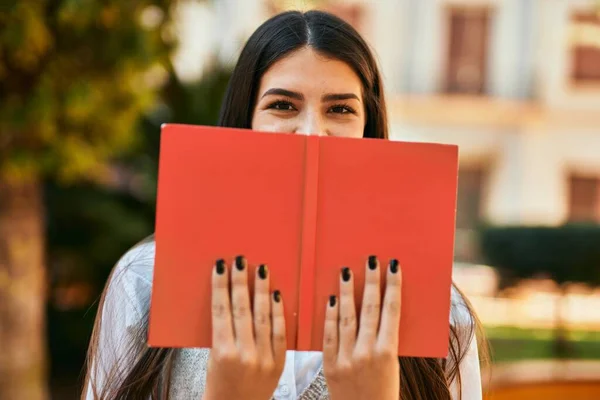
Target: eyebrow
{"points": [[299, 96], [283, 92], [339, 96]]}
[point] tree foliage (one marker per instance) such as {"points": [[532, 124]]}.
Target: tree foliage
{"points": [[74, 77]]}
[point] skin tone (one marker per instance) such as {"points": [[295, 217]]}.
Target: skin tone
{"points": [[305, 93]]}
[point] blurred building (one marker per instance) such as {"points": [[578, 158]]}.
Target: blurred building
{"points": [[515, 83]]}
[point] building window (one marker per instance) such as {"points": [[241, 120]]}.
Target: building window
{"points": [[468, 33], [469, 206], [584, 199], [585, 48]]}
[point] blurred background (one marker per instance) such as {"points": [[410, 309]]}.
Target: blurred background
{"points": [[85, 86]]}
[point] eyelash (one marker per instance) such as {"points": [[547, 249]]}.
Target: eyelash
{"points": [[279, 103], [347, 108]]}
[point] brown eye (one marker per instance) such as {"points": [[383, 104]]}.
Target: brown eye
{"points": [[282, 106], [342, 109], [339, 110]]}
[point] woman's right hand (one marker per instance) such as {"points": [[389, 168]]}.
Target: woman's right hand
{"points": [[248, 345]]}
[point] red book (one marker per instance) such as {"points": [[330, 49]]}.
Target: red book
{"points": [[305, 206]]}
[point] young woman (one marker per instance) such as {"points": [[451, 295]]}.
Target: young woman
{"points": [[304, 73]]}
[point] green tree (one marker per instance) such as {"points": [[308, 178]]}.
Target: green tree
{"points": [[74, 78]]}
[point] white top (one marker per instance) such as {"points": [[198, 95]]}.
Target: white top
{"points": [[126, 308]]}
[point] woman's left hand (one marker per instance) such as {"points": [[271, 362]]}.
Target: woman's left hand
{"points": [[362, 362]]}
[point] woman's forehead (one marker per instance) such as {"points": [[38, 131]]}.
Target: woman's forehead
{"points": [[307, 70]]}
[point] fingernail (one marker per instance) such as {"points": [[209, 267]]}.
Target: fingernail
{"points": [[240, 263], [346, 274], [394, 265], [262, 271], [372, 262], [277, 296], [220, 266], [332, 300]]}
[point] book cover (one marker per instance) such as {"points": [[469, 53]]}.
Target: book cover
{"points": [[306, 206]]}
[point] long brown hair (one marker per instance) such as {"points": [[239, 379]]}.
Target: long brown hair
{"points": [[148, 371]]}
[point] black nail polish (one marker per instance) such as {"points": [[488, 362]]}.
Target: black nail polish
{"points": [[240, 263], [277, 296], [372, 262], [394, 265], [346, 274], [262, 271], [332, 301], [220, 266]]}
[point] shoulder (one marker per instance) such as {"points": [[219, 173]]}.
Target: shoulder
{"points": [[461, 313], [130, 283], [138, 261], [463, 356], [121, 320], [137, 264], [463, 324]]}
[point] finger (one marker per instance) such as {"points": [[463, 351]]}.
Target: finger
{"points": [[371, 303], [240, 300], [347, 313], [262, 312], [279, 340], [222, 328], [330, 334], [392, 304]]}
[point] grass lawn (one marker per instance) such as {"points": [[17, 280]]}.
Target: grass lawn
{"points": [[513, 344]]}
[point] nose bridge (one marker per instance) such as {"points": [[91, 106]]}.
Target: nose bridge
{"points": [[312, 124]]}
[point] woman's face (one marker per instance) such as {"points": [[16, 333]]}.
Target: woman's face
{"points": [[310, 94]]}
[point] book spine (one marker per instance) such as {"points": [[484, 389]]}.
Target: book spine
{"points": [[306, 290]]}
